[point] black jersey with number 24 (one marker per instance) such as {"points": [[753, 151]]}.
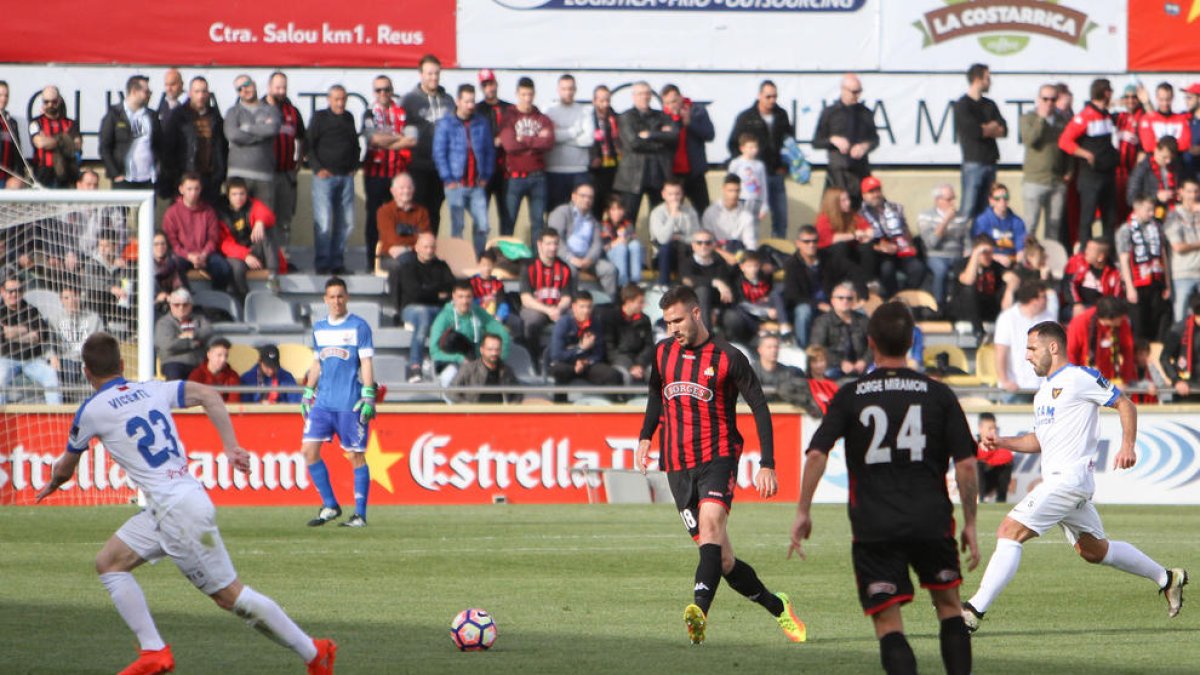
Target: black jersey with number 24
{"points": [[901, 430]]}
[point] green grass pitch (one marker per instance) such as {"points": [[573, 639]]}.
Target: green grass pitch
{"points": [[574, 589]]}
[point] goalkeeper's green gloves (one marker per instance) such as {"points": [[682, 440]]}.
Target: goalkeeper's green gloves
{"points": [[366, 404], [306, 401]]}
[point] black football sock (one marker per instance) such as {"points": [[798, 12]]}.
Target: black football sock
{"points": [[956, 646], [708, 575], [744, 580], [897, 656]]}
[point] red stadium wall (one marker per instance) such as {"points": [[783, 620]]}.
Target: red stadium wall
{"points": [[415, 458], [232, 32]]}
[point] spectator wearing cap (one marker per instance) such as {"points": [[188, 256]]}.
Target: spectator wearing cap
{"points": [[427, 103], [978, 123], [493, 108], [180, 337], [574, 133], [1191, 156], [267, 373], [846, 130], [216, 371], [891, 249]]}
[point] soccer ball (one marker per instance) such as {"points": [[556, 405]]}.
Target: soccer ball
{"points": [[473, 630]]}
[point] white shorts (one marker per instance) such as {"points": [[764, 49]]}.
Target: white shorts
{"points": [[187, 533], [1051, 504]]}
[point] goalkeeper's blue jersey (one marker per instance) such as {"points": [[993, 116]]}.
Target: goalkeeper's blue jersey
{"points": [[339, 346]]}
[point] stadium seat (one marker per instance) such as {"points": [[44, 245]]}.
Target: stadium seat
{"points": [[522, 364], [219, 300], [242, 358], [269, 313], [392, 338], [459, 254], [869, 305], [45, 301], [301, 283], [1056, 257], [367, 309], [958, 358], [390, 369], [782, 245], [985, 364], [295, 358], [359, 284], [915, 297]]}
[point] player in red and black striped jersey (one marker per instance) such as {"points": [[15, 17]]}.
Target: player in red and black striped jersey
{"points": [[694, 385], [902, 429]]}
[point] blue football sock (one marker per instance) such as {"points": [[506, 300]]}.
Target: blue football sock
{"points": [[320, 478], [362, 486]]}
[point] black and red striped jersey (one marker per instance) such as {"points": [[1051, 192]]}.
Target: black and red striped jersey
{"points": [[485, 289], [548, 283], [754, 292], [693, 396], [47, 126], [10, 146], [383, 162], [291, 129]]}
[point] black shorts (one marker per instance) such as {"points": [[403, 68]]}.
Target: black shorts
{"points": [[881, 570], [711, 481]]}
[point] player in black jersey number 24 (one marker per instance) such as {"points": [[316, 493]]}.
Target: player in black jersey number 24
{"points": [[694, 385], [902, 430]]}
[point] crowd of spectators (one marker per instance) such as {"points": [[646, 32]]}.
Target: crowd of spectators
{"points": [[582, 170]]}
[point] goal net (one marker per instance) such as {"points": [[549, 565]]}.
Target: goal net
{"points": [[74, 262]]}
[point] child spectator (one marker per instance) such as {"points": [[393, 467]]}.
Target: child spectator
{"points": [[621, 243], [753, 174]]}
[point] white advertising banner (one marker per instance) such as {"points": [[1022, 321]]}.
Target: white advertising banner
{"points": [[737, 35], [1167, 469], [912, 112], [1009, 35]]}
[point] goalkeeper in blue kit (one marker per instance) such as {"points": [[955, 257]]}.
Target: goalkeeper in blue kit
{"points": [[339, 398]]}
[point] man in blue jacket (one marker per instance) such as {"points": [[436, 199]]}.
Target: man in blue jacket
{"points": [[268, 373], [465, 156], [577, 347]]}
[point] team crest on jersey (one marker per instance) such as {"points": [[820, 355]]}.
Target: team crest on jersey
{"points": [[696, 391], [335, 353], [1055, 392]]}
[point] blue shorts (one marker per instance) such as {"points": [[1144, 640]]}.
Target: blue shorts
{"points": [[322, 424]]}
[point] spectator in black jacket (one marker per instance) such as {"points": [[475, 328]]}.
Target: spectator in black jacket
{"points": [[131, 139], [648, 139], [630, 338], [842, 332], [195, 142], [709, 275], [772, 373], [808, 280], [425, 284], [755, 301], [690, 161], [846, 130], [1159, 176], [577, 347], [769, 123], [333, 153], [978, 123], [979, 291]]}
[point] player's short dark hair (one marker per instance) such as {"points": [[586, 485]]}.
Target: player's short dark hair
{"points": [[891, 327], [976, 72], [429, 58], [766, 83], [189, 175], [525, 83], [1108, 307], [732, 178], [750, 256], [807, 229], [679, 294], [986, 417], [1029, 291], [236, 182], [1142, 199], [581, 295], [673, 182], [465, 88], [101, 355], [490, 336], [488, 254], [220, 341], [335, 281], [1167, 142], [1165, 86], [136, 82], [462, 285], [630, 292], [1052, 331], [548, 233], [1099, 88]]}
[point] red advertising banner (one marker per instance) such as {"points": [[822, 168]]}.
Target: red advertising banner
{"points": [[1163, 36], [231, 32], [415, 458]]}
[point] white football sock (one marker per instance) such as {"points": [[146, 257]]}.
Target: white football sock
{"points": [[1127, 558], [131, 605], [263, 615], [1000, 570]]}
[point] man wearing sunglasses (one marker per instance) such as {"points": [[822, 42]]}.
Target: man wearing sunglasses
{"points": [[56, 142], [26, 347], [389, 140], [1002, 225], [1045, 168], [846, 130]]}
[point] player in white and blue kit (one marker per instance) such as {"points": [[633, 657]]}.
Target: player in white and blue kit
{"points": [[339, 398], [1066, 433], [133, 420]]}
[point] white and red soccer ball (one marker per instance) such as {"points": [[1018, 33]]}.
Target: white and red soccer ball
{"points": [[473, 630]]}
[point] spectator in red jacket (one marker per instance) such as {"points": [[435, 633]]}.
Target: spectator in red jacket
{"points": [[526, 135], [995, 466], [1101, 338], [194, 232], [1163, 121], [216, 371], [248, 237], [1092, 276], [1089, 136]]}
